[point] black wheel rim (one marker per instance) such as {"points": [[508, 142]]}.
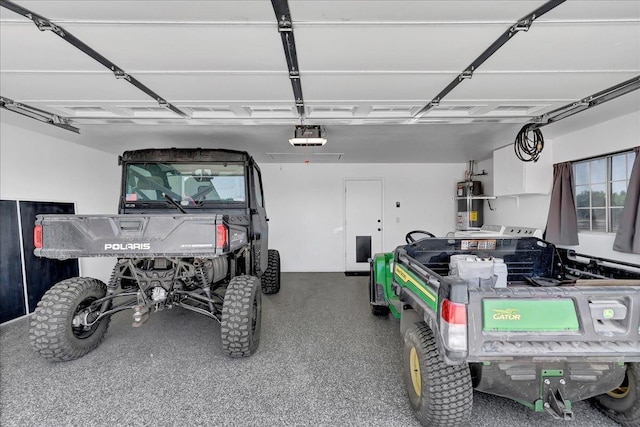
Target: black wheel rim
{"points": [[82, 332]]}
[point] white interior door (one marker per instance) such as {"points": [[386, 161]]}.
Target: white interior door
{"points": [[363, 222]]}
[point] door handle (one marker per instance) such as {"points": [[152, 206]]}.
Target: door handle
{"points": [[379, 229]]}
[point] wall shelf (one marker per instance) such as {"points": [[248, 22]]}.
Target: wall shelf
{"points": [[476, 198]]}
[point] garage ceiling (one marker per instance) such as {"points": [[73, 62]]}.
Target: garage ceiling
{"points": [[366, 68]]}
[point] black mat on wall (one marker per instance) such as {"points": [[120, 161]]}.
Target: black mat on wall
{"points": [[11, 288], [42, 273]]}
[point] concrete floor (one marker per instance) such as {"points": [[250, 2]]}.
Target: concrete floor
{"points": [[323, 360]]}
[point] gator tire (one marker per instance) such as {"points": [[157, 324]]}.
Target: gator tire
{"points": [[623, 404], [51, 330], [241, 317], [440, 395], [379, 310], [271, 277]]}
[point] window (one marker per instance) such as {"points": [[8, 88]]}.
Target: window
{"points": [[188, 184], [601, 189]]}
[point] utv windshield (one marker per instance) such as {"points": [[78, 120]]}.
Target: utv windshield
{"points": [[187, 184]]}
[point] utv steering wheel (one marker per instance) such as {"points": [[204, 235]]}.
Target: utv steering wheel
{"points": [[410, 239]]}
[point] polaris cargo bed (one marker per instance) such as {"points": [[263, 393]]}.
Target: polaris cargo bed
{"points": [[138, 236]]}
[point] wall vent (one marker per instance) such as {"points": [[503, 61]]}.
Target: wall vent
{"points": [[304, 157]]}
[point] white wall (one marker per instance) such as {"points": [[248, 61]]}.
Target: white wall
{"points": [[305, 204], [531, 210], [34, 166]]}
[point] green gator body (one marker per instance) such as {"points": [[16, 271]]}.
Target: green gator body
{"points": [[543, 346]]}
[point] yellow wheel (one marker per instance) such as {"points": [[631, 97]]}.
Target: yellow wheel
{"points": [[440, 395], [619, 393], [414, 366], [622, 404]]}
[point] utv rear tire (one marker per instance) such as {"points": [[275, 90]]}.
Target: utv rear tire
{"points": [[271, 277], [623, 403], [241, 317], [440, 395], [51, 329]]}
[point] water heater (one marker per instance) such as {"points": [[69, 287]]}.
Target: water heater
{"points": [[469, 210]]}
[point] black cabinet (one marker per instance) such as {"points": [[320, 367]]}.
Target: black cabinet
{"points": [[12, 303], [20, 270]]}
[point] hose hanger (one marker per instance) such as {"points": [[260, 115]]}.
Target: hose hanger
{"points": [[530, 141]]}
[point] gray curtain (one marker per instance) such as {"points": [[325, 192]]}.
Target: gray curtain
{"points": [[562, 221], [628, 235]]}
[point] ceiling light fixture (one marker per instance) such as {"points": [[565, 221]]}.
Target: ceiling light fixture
{"points": [[309, 136]]}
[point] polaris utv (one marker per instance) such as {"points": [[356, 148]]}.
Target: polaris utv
{"points": [[191, 232]]}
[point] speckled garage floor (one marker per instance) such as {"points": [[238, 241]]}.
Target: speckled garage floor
{"points": [[323, 360]]}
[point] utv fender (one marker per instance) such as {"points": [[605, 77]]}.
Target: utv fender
{"points": [[409, 317], [424, 313], [381, 279]]}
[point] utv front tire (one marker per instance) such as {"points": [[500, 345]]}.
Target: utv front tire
{"points": [[623, 403], [51, 329], [241, 317], [440, 395], [271, 277]]}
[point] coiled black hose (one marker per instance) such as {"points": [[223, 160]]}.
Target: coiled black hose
{"points": [[529, 143]]}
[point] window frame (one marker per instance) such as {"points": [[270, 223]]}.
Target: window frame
{"points": [[609, 226]]}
